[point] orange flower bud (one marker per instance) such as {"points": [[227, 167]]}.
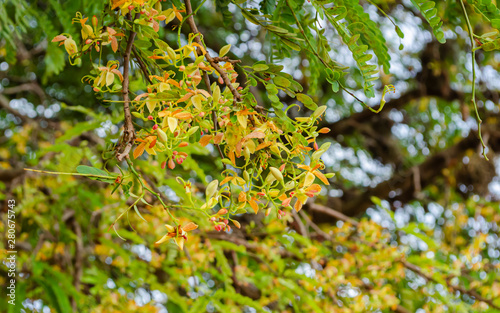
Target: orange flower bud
{"points": [[222, 212], [236, 223], [286, 202], [171, 164], [183, 144], [324, 130]]}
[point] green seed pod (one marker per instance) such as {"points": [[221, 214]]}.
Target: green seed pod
{"points": [[246, 153], [159, 146], [290, 185], [319, 111], [212, 188], [270, 179], [161, 135], [192, 130], [276, 173]]}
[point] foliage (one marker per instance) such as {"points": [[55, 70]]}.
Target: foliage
{"points": [[216, 168]]}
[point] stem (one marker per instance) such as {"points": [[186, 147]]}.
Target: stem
{"points": [[304, 35], [473, 47], [142, 66], [157, 195], [128, 133], [222, 73], [73, 174]]}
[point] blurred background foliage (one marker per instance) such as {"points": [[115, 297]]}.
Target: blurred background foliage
{"points": [[424, 237]]}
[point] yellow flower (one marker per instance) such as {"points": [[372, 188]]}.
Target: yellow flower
{"points": [[179, 234]]}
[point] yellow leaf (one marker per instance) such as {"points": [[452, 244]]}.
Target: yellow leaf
{"points": [[151, 104], [297, 206], [322, 177], [226, 180], [263, 145], [185, 97], [309, 179], [196, 100], [255, 134], [171, 54], [110, 78], [242, 119], [183, 115], [242, 197], [231, 157], [163, 86], [224, 50], [239, 181], [254, 205], [302, 119], [216, 95], [139, 150], [172, 123], [236, 223], [117, 3], [218, 138], [70, 46]]}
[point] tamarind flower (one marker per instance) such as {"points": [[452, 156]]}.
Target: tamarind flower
{"points": [[178, 234], [313, 170], [69, 44]]}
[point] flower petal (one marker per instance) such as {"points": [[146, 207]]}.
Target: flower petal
{"points": [[180, 242], [163, 239], [189, 226], [170, 229]]}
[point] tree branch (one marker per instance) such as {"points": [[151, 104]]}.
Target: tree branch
{"points": [[128, 136]]}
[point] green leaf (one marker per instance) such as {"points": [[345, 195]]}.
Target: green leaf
{"points": [[259, 67], [307, 101], [291, 44], [400, 33], [224, 50], [84, 169], [139, 213], [281, 81]]}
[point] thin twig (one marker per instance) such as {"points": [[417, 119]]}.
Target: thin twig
{"points": [[473, 60], [142, 66], [225, 59], [214, 64], [210, 59]]}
